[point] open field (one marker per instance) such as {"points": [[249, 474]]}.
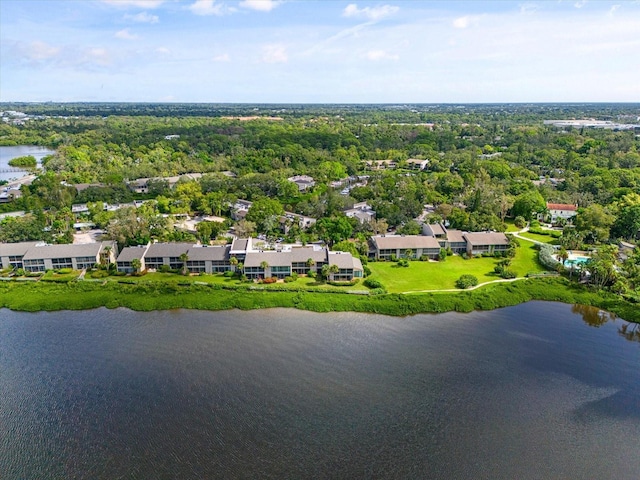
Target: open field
{"points": [[443, 275]]}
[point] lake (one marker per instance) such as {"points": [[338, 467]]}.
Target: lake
{"points": [[8, 153], [537, 391]]}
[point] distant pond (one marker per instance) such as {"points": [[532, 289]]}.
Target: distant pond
{"points": [[537, 391], [8, 153]]}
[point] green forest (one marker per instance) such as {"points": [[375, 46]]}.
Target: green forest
{"points": [[489, 167]]}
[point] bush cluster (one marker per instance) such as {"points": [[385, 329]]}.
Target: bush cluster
{"points": [[466, 281], [540, 231], [545, 255], [372, 283]]}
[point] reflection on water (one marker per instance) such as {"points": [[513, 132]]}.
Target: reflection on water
{"points": [[593, 316], [630, 331]]}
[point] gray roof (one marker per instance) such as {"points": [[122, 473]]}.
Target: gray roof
{"points": [[217, 253], [63, 251], [357, 264], [273, 258], [239, 244], [486, 238], [341, 259], [21, 248], [403, 242], [455, 236], [437, 229], [130, 253], [168, 249], [305, 253]]}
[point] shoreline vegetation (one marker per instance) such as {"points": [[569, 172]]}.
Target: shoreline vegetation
{"points": [[149, 296]]}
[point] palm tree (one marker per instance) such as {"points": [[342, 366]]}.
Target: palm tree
{"points": [[310, 262], [136, 264], [184, 258], [324, 271], [106, 255], [264, 265], [333, 269], [563, 255], [233, 261]]}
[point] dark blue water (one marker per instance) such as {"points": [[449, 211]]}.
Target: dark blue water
{"points": [[537, 391]]}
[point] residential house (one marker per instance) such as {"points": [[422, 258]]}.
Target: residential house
{"points": [[304, 182], [125, 260], [208, 259], [565, 211], [417, 164], [267, 263], [486, 242], [362, 211], [160, 254], [404, 246], [452, 239], [456, 241], [349, 267], [240, 209], [11, 254], [42, 257], [141, 185], [308, 259], [381, 164]]}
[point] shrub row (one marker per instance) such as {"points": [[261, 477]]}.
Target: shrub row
{"points": [[29, 296], [547, 259]]}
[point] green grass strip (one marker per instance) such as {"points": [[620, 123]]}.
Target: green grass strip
{"points": [[28, 296]]}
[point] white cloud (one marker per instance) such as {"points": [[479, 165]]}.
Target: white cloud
{"points": [[99, 56], [371, 13], [222, 58], [274, 54], [529, 8], [163, 51], [142, 17], [135, 3], [613, 10], [68, 56], [206, 7], [376, 55], [580, 3], [39, 51], [466, 21], [260, 5], [125, 35]]}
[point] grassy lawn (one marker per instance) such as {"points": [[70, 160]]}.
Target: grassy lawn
{"points": [[60, 277], [442, 275], [541, 238], [526, 259], [510, 226]]}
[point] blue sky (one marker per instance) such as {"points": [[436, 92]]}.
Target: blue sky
{"points": [[325, 51]]}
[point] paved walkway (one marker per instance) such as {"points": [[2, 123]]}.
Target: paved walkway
{"points": [[526, 229], [501, 280]]}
